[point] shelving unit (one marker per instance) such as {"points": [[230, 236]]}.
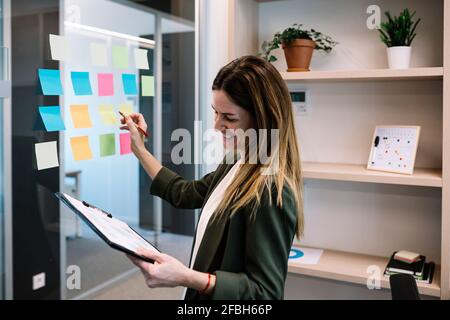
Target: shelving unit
{"points": [[353, 268], [428, 90]]}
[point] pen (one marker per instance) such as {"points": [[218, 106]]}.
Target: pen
{"points": [[139, 128], [375, 145]]}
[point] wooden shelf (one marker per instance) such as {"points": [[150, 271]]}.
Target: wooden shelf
{"points": [[359, 173], [435, 73], [352, 267]]}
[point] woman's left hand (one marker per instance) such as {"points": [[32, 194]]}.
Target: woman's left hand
{"points": [[165, 272]]}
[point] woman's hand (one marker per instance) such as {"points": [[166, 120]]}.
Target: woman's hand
{"points": [[130, 123], [148, 161], [165, 272], [169, 272]]}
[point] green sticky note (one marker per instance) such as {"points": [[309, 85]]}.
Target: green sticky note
{"points": [[107, 144], [120, 57], [148, 86]]}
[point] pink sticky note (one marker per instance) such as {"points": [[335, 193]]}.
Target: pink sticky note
{"points": [[105, 84], [125, 143]]}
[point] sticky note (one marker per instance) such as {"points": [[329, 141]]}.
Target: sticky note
{"points": [[105, 84], [141, 59], [129, 83], [80, 148], [46, 155], [50, 81], [99, 56], [120, 57], [126, 108], [59, 47], [81, 84], [108, 115], [125, 143], [51, 117], [148, 86], [107, 145], [80, 116]]}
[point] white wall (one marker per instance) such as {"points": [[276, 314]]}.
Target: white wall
{"points": [[214, 55]]}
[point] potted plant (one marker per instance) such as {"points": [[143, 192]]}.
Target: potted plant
{"points": [[298, 45], [398, 33]]}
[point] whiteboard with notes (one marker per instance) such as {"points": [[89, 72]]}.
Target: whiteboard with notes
{"points": [[394, 148]]}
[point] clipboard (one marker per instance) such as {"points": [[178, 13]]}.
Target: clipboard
{"points": [[116, 233]]}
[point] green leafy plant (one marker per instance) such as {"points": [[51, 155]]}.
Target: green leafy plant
{"points": [[399, 31], [323, 42]]}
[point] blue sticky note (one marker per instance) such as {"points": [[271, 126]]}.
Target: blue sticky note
{"points": [[81, 84], [50, 82], [51, 116], [129, 83]]}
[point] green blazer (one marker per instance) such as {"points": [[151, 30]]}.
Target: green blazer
{"points": [[248, 256]]}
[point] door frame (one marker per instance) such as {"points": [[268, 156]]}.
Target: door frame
{"points": [[7, 158]]}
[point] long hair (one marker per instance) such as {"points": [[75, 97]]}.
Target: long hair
{"points": [[255, 85]]}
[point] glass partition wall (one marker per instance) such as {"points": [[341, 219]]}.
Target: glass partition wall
{"points": [[113, 44], [87, 59]]}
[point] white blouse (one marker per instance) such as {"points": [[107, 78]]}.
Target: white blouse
{"points": [[211, 206]]}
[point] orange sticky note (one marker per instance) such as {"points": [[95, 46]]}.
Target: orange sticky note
{"points": [[80, 116], [80, 148]]}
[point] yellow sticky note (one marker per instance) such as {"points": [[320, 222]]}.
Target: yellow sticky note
{"points": [[126, 109], [80, 116], [108, 115], [80, 148], [148, 86]]}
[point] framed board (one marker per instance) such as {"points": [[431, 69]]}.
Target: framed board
{"points": [[394, 148]]}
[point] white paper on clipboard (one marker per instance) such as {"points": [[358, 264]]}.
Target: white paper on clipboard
{"points": [[116, 231]]}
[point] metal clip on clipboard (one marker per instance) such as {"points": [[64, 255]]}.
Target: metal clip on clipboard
{"points": [[109, 215]]}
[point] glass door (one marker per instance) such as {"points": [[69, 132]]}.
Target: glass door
{"points": [[124, 51]]}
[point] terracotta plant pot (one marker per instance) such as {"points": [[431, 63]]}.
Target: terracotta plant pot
{"points": [[298, 54]]}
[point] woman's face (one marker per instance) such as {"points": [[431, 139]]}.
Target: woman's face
{"points": [[230, 117]]}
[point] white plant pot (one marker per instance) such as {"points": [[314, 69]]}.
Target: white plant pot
{"points": [[399, 57]]}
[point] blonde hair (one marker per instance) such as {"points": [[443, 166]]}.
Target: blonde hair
{"points": [[255, 85]]}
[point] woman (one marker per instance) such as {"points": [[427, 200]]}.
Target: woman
{"points": [[248, 218]]}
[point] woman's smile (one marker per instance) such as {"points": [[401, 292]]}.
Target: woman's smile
{"points": [[227, 136]]}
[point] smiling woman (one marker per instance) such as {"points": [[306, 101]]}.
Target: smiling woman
{"points": [[250, 211], [229, 117]]}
